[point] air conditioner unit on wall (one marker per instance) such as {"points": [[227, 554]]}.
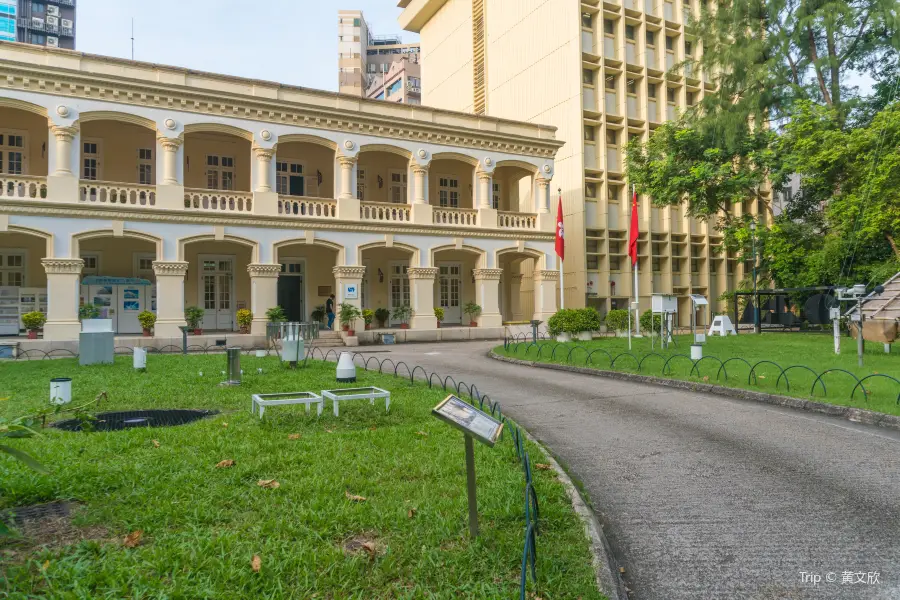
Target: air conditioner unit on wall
{"points": [[53, 11], [54, 21], [53, 42], [67, 23]]}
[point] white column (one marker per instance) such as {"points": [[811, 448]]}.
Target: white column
{"points": [[170, 148], [170, 186], [487, 296], [64, 137], [62, 183], [63, 276], [420, 178], [263, 171], [343, 276], [485, 189], [545, 296], [169, 298], [421, 290], [347, 163], [542, 201], [263, 293]]}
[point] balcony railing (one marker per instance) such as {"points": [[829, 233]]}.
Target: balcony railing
{"points": [[315, 208], [384, 212], [218, 201], [106, 192], [23, 187], [513, 220], [63, 2], [455, 216]]}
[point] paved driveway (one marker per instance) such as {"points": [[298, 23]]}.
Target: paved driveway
{"points": [[707, 497]]}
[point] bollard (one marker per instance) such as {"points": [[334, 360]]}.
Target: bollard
{"points": [[233, 367]]}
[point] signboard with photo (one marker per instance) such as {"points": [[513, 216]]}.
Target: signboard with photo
{"points": [[469, 419]]}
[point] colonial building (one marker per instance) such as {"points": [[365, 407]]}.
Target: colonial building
{"points": [[135, 186]]}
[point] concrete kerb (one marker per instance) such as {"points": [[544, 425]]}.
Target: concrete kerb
{"points": [[605, 572], [855, 415]]}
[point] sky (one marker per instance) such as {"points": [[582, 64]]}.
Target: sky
{"points": [[288, 41]]}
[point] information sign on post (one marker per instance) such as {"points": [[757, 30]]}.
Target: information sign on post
{"points": [[474, 424]]}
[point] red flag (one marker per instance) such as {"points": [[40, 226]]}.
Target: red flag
{"points": [[560, 241], [633, 233]]}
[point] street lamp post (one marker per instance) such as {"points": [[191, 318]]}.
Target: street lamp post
{"points": [[755, 293]]}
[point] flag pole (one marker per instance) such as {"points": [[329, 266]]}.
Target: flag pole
{"points": [[637, 321], [560, 248], [561, 288]]}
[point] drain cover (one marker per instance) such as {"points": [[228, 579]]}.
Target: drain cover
{"points": [[115, 421], [37, 512]]}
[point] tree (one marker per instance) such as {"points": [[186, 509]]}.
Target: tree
{"points": [[682, 163]]}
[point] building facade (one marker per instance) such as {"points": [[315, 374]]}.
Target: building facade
{"points": [[42, 22], [376, 67], [133, 187], [603, 73]]}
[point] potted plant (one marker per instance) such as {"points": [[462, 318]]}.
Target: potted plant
{"points": [[348, 313], [33, 322], [473, 310], [147, 320], [88, 311], [587, 322], [368, 315], [382, 314], [194, 317], [402, 314], [244, 319], [439, 315], [273, 315], [318, 314], [562, 324], [617, 320]]}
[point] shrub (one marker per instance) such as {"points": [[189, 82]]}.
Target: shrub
{"points": [[147, 319], [646, 321], [194, 316], [439, 314], [563, 321], [348, 313], [368, 315], [472, 309], [34, 320], [402, 313], [587, 319], [244, 318], [317, 315], [617, 320], [88, 311], [382, 314]]}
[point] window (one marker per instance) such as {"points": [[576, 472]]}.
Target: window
{"points": [[145, 166], [590, 190], [612, 193], [611, 137], [587, 76], [688, 48], [220, 173], [37, 7], [670, 43], [289, 179], [632, 87], [395, 87], [398, 190], [614, 263], [609, 27], [611, 84], [657, 264], [690, 98], [143, 265], [651, 38], [695, 265], [12, 154], [91, 264], [361, 184], [39, 39], [670, 95], [588, 133], [633, 136], [90, 160], [651, 90], [495, 196], [587, 20], [448, 191], [12, 268], [630, 32]]}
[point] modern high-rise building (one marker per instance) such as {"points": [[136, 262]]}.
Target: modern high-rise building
{"points": [[376, 67], [603, 73], [42, 22]]}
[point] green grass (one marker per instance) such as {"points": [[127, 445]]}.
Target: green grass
{"points": [[813, 351], [203, 525]]}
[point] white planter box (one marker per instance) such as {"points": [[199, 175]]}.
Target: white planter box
{"points": [[585, 336], [564, 337]]}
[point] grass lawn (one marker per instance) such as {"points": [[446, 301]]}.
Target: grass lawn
{"points": [[202, 525], [812, 350]]}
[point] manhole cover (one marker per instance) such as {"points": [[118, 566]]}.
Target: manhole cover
{"points": [[115, 421], [38, 512]]}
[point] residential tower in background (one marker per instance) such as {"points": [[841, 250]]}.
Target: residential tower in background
{"points": [[42, 22]]}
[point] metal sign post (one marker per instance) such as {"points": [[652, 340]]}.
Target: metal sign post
{"points": [[474, 424]]}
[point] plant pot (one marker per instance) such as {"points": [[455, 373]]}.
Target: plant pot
{"points": [[368, 327], [350, 332], [562, 338], [622, 334], [345, 327], [473, 323], [438, 324], [198, 331], [245, 329], [32, 334], [404, 326], [585, 336], [147, 332]]}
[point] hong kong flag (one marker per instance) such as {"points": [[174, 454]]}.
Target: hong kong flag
{"points": [[560, 240]]}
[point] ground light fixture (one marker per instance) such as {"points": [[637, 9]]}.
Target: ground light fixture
{"points": [[140, 359], [60, 390], [346, 370]]}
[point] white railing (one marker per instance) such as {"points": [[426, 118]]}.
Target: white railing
{"points": [[23, 187], [381, 211], [108, 192], [455, 216], [217, 200], [315, 208], [513, 220]]}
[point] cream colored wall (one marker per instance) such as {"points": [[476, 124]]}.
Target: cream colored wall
{"points": [[36, 130], [380, 258], [117, 255], [242, 256], [455, 168], [319, 264], [447, 57], [119, 144], [315, 158], [469, 261], [380, 164], [197, 146], [523, 310], [35, 249], [515, 188]]}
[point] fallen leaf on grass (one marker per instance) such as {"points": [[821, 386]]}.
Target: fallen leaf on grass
{"points": [[46, 565], [369, 547], [133, 538], [270, 484], [329, 431], [706, 378], [156, 443], [762, 376], [256, 563], [225, 464], [224, 424], [422, 433], [372, 428], [294, 436], [542, 467], [354, 497], [411, 513]]}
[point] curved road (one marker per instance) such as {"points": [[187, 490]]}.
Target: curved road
{"points": [[703, 496]]}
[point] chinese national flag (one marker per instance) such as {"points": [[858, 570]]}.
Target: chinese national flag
{"points": [[560, 241], [633, 233]]}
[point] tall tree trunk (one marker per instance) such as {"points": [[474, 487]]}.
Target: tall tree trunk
{"points": [[893, 244], [814, 56], [834, 66]]}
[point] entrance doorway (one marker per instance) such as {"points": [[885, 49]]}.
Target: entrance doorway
{"points": [[292, 289], [217, 292], [399, 286], [451, 292]]}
